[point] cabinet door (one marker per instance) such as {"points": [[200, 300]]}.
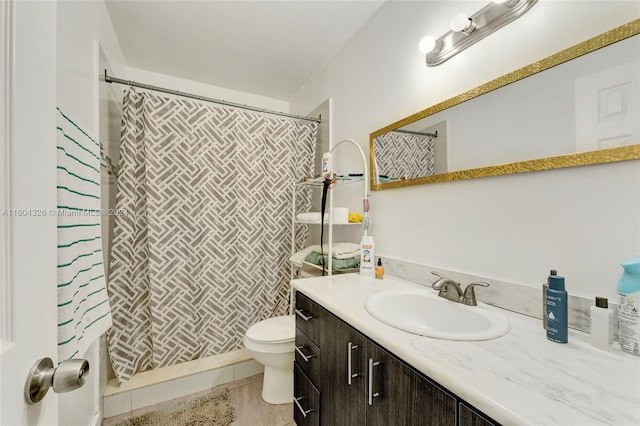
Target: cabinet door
{"points": [[306, 399], [308, 317], [308, 358], [389, 385], [343, 357], [469, 416], [431, 405]]}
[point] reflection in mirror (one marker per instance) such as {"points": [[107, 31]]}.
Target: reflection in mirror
{"points": [[583, 109], [404, 154], [410, 154]]}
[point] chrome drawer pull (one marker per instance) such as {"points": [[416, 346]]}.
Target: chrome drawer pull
{"points": [[371, 394], [302, 410], [303, 316], [306, 358], [350, 375]]}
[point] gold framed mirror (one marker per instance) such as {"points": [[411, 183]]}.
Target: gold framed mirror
{"points": [[467, 136]]}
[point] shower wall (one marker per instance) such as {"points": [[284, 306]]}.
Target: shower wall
{"points": [[324, 133], [110, 111], [110, 115], [323, 145]]}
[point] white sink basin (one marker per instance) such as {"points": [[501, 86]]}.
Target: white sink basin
{"points": [[423, 312]]}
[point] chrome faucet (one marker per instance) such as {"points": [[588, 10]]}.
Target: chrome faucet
{"points": [[469, 296], [442, 280], [448, 288], [451, 290]]}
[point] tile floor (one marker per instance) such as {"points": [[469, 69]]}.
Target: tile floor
{"points": [[251, 410]]}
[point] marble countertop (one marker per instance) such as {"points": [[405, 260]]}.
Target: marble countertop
{"points": [[519, 378]]}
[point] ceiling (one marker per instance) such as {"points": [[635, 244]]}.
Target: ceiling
{"points": [[268, 48]]}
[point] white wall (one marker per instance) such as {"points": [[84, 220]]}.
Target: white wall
{"points": [[581, 221], [83, 28], [188, 86]]}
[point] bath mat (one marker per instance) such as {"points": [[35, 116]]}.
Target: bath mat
{"points": [[209, 410]]}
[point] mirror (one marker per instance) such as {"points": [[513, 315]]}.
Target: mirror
{"points": [[577, 107]]}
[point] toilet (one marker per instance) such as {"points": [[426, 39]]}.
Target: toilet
{"points": [[271, 342]]}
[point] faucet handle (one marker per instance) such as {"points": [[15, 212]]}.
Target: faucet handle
{"points": [[469, 296], [436, 285]]}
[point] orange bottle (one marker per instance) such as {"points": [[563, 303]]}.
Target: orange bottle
{"points": [[379, 270]]}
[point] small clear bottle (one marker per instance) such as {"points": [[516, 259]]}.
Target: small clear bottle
{"points": [[379, 270], [601, 322]]}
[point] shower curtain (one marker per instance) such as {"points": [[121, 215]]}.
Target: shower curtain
{"points": [[201, 245], [403, 155]]}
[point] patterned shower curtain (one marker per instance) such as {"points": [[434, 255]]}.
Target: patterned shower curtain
{"points": [[403, 155], [200, 251]]}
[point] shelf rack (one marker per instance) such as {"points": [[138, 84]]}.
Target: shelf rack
{"points": [[318, 182]]}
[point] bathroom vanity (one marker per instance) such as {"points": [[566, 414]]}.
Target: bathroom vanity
{"points": [[360, 382], [352, 369]]}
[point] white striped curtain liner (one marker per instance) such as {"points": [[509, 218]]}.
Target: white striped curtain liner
{"points": [[83, 306]]}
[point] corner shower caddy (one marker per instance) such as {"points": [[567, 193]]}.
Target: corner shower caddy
{"points": [[318, 183]]}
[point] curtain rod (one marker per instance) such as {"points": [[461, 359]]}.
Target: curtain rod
{"points": [[410, 132], [110, 79]]}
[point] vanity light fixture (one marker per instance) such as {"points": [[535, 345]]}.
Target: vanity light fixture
{"points": [[462, 23], [466, 30], [427, 44]]}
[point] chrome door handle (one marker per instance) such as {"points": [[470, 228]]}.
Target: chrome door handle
{"points": [[371, 394], [306, 358], [302, 410], [303, 316], [350, 375], [69, 375]]}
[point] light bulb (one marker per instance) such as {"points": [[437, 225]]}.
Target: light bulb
{"points": [[461, 22], [427, 44]]}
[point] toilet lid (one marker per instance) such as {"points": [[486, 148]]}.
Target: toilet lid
{"points": [[273, 330]]}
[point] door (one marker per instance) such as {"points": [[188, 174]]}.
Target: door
{"points": [[306, 399], [389, 386], [343, 373], [431, 404], [27, 205], [607, 108]]}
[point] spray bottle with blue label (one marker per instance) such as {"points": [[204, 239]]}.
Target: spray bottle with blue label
{"points": [[629, 306]]}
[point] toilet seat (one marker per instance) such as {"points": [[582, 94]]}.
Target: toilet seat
{"points": [[271, 343], [273, 330]]}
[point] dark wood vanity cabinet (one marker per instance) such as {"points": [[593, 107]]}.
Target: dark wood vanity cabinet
{"points": [[306, 399], [382, 390], [469, 416], [389, 389], [357, 382], [431, 404], [343, 373], [308, 361]]}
